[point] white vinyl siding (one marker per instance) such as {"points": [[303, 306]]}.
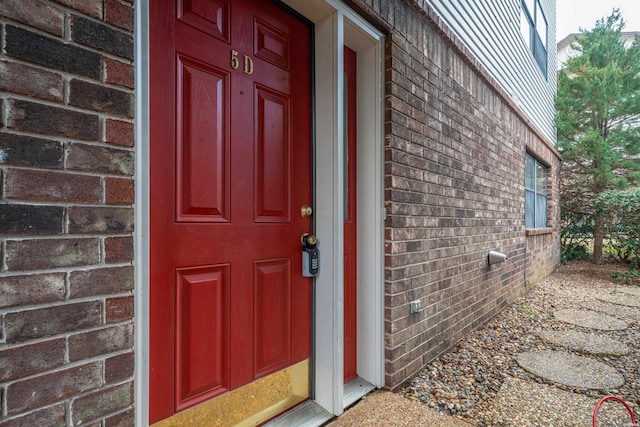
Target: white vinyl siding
{"points": [[491, 30]]}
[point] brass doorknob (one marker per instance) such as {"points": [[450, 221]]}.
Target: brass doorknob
{"points": [[306, 211], [309, 240]]}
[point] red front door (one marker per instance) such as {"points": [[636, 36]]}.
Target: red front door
{"points": [[229, 168]]}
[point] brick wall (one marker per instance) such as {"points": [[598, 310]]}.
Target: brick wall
{"points": [[454, 190], [66, 214]]}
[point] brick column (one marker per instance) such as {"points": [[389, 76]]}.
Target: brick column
{"points": [[66, 212]]}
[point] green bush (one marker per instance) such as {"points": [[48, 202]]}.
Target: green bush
{"points": [[576, 235], [622, 223], [631, 277], [572, 251]]}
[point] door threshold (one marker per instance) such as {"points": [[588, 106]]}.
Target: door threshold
{"points": [[355, 390], [308, 414]]}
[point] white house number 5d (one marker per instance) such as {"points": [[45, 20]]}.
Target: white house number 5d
{"points": [[235, 62]]}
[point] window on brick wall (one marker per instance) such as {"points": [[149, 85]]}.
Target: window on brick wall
{"points": [[533, 27], [535, 186]]}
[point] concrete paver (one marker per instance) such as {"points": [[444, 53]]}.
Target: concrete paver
{"points": [[620, 299], [569, 369], [619, 311], [590, 343], [590, 319]]}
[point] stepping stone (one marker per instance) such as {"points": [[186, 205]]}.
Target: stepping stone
{"points": [[593, 344], [590, 319], [526, 403], [630, 290], [571, 370], [616, 310], [620, 299]]}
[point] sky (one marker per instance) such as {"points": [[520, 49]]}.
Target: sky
{"points": [[575, 14]]}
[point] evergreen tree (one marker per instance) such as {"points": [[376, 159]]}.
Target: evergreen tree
{"points": [[598, 119]]}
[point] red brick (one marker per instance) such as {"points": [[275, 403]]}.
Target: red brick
{"points": [[42, 390], [32, 289], [100, 220], [123, 419], [98, 404], [48, 120], [119, 133], [119, 368], [102, 37], [51, 416], [51, 253], [30, 81], [118, 249], [90, 7], [119, 309], [52, 186], [51, 52], [22, 150], [119, 191], [29, 220], [42, 356], [100, 98], [119, 14], [42, 322], [100, 281], [100, 342], [91, 158], [118, 73], [34, 13]]}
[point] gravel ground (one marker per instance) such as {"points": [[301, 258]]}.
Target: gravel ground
{"points": [[466, 380], [384, 408]]}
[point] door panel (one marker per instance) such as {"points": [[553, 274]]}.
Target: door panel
{"points": [[202, 143], [228, 303], [272, 333], [202, 330], [209, 16], [273, 148]]}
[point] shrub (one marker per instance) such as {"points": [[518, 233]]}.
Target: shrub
{"points": [[622, 223], [572, 251], [576, 235], [630, 277]]}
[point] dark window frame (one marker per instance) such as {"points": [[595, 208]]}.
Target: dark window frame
{"points": [[536, 44]]}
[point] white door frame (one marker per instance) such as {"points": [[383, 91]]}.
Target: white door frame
{"points": [[335, 26], [141, 214]]}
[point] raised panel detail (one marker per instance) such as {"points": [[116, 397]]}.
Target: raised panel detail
{"points": [[272, 316], [202, 338], [209, 16], [271, 44], [202, 185], [350, 304], [273, 157]]}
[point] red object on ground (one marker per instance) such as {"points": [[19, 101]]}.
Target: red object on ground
{"points": [[604, 399]]}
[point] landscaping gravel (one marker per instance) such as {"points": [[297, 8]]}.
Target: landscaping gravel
{"points": [[466, 380]]}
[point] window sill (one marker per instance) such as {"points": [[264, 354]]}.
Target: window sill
{"points": [[538, 231]]}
